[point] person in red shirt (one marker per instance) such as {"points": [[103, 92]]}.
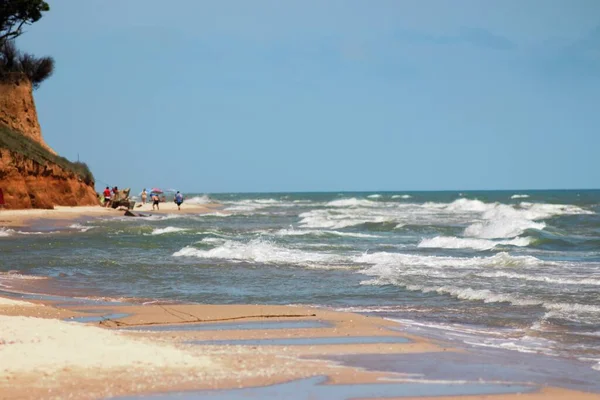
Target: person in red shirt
{"points": [[106, 194]]}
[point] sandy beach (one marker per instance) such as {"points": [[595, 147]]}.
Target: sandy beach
{"points": [[211, 351], [17, 218]]}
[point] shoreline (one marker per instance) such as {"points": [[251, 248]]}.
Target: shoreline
{"points": [[217, 349], [62, 214]]}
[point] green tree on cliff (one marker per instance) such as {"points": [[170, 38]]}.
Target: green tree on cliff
{"points": [[14, 65], [14, 14]]}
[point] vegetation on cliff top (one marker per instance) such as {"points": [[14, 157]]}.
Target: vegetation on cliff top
{"points": [[14, 65], [18, 143]]}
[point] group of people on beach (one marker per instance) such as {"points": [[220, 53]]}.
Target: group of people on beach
{"points": [[110, 195], [157, 200]]}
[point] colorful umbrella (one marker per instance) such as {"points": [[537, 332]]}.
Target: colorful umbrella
{"points": [[156, 190]]}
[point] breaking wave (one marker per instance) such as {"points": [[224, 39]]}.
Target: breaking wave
{"points": [[353, 202], [397, 261], [482, 220], [312, 232], [445, 242], [168, 229], [260, 251], [546, 279], [6, 232], [519, 196], [81, 228], [199, 200]]}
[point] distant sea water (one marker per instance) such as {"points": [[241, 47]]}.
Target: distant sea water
{"points": [[516, 270]]}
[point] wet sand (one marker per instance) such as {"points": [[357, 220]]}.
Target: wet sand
{"points": [[130, 350]]}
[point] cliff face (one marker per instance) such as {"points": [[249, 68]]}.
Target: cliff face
{"points": [[31, 174], [17, 111], [29, 184]]}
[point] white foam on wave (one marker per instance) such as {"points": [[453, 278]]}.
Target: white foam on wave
{"points": [[443, 276], [198, 200], [81, 228], [213, 240], [261, 251], [402, 196], [548, 279], [485, 295], [519, 196], [4, 232], [314, 232], [506, 221], [352, 202], [168, 229], [250, 206], [374, 196], [483, 220], [345, 217], [451, 242], [397, 261]]}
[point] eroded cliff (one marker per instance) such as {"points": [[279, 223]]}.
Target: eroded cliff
{"points": [[17, 111], [29, 184], [31, 174]]}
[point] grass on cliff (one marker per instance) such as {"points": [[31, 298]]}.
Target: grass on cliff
{"points": [[18, 143]]}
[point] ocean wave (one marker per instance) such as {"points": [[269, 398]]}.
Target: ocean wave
{"points": [[198, 200], [313, 232], [374, 196], [213, 240], [547, 279], [81, 228], [402, 196], [16, 275], [398, 261], [4, 232], [507, 221], [261, 251], [168, 229], [519, 196], [482, 220], [580, 313], [250, 206], [352, 202], [445, 242], [326, 219], [503, 227], [485, 295], [569, 308]]}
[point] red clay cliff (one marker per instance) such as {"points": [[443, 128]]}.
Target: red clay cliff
{"points": [[27, 182]]}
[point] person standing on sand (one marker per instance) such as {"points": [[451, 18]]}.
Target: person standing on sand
{"points": [[144, 196], [178, 200], [106, 194], [155, 201]]}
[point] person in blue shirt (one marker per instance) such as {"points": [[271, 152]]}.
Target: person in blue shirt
{"points": [[178, 200]]}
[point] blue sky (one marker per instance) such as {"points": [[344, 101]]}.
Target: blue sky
{"points": [[313, 95]]}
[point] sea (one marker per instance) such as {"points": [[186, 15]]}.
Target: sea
{"points": [[511, 270]]}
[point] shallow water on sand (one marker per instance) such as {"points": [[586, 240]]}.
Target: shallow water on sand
{"points": [[510, 270]]}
